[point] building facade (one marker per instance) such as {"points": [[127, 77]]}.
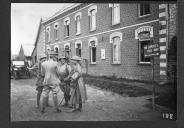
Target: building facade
{"points": [[111, 38], [39, 46]]}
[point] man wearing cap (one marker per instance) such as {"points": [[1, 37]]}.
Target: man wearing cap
{"points": [[78, 93], [63, 70], [51, 81], [40, 78]]}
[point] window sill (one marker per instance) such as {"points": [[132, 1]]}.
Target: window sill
{"points": [[144, 16], [93, 30], [77, 34], [56, 39], [93, 63], [115, 24], [116, 63], [144, 63]]}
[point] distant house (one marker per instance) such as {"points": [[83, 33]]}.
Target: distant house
{"points": [[24, 54]]}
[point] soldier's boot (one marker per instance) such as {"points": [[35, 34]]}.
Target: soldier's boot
{"points": [[56, 103], [44, 102], [66, 100], [38, 99], [74, 108], [80, 104]]}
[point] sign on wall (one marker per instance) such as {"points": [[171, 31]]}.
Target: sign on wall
{"points": [[103, 53], [151, 50], [145, 30]]}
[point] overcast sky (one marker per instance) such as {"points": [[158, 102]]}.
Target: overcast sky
{"points": [[25, 18]]}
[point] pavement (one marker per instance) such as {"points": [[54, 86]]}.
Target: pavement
{"points": [[100, 106]]}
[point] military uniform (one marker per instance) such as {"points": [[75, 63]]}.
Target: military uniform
{"points": [[78, 93], [51, 82], [40, 78], [63, 70]]}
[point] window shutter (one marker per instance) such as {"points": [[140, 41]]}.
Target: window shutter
{"points": [[90, 54], [64, 31], [111, 15], [112, 53], [76, 26]]}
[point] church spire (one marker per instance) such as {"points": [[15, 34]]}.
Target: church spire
{"points": [[21, 54]]}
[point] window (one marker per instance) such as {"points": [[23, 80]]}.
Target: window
{"points": [[115, 13], [78, 47], [66, 24], [77, 19], [116, 49], [93, 50], [144, 35], [56, 26], [144, 9], [48, 50], [115, 39], [92, 17], [48, 34], [142, 59], [78, 50], [56, 49], [67, 49]]}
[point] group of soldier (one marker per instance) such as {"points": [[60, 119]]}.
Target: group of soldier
{"points": [[55, 73]]}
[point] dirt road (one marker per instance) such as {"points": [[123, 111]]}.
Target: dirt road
{"points": [[101, 106]]}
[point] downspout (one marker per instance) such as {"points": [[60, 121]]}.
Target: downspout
{"points": [[167, 36]]}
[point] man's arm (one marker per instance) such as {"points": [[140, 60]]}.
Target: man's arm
{"points": [[42, 70], [34, 67]]}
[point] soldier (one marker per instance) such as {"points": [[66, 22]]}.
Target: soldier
{"points": [[40, 78], [78, 93], [51, 81], [63, 70]]}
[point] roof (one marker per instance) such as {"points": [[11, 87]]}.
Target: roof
{"points": [[38, 32], [28, 49], [65, 9]]}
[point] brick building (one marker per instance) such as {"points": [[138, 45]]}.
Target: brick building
{"points": [[111, 37], [39, 46]]}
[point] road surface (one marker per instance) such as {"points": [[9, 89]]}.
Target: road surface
{"points": [[101, 106]]}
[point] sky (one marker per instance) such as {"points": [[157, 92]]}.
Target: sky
{"points": [[25, 19]]}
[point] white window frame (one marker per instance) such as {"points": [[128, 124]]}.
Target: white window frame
{"points": [[56, 28], [78, 42], [139, 30], [67, 44], [65, 24], [115, 21], [139, 12], [78, 23], [56, 46], [48, 32], [48, 49], [94, 7], [113, 35], [142, 62], [89, 44]]}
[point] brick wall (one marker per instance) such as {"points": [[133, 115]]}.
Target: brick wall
{"points": [[41, 42], [129, 22], [172, 38]]}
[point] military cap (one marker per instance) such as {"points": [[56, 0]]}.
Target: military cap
{"points": [[60, 56]]}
